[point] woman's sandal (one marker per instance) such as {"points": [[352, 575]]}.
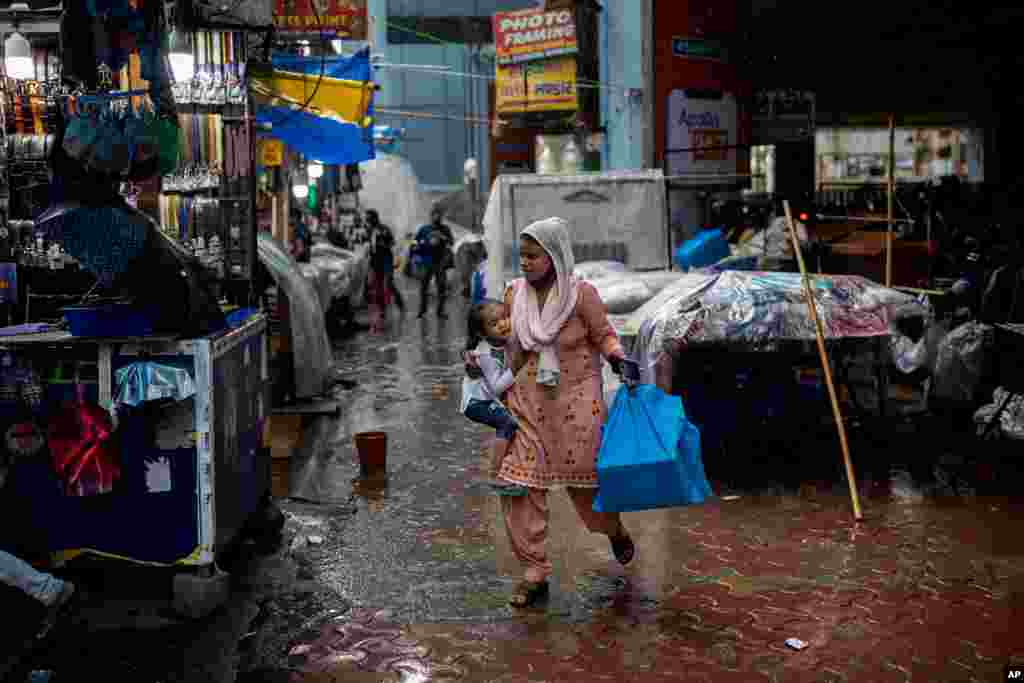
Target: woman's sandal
{"points": [[623, 548], [528, 593]]}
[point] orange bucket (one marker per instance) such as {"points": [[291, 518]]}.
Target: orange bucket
{"points": [[373, 453]]}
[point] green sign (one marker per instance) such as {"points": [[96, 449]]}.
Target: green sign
{"points": [[311, 200], [696, 48]]}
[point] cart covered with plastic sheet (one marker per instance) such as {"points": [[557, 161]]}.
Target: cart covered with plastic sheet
{"points": [[314, 359]]}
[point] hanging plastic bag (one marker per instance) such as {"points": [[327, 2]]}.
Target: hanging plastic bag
{"points": [[148, 381], [650, 454], [81, 440]]}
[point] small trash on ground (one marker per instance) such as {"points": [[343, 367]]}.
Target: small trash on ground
{"points": [[795, 643], [315, 540], [299, 650], [728, 498]]}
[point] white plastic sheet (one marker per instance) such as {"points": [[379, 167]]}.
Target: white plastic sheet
{"points": [[623, 294], [598, 270], [390, 186], [314, 359]]}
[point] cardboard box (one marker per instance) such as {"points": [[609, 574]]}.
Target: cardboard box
{"points": [[280, 474], [282, 432]]}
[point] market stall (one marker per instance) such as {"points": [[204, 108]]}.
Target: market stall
{"points": [[134, 394], [739, 345], [171, 470]]}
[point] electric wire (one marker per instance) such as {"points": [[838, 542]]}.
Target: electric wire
{"points": [[320, 78], [440, 41]]}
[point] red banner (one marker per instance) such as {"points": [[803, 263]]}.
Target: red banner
{"points": [[340, 18], [534, 34]]}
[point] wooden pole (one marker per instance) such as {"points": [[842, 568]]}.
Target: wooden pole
{"points": [[819, 333], [892, 190]]}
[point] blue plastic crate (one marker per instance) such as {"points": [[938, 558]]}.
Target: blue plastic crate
{"points": [[111, 320]]}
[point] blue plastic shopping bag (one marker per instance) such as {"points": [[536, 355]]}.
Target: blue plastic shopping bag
{"points": [[650, 454]]}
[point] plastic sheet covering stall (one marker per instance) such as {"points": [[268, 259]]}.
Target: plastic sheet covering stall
{"points": [[345, 271], [319, 279], [612, 216], [961, 361], [760, 308], [314, 360], [1011, 420]]}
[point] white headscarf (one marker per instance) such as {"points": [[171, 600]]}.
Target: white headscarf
{"points": [[538, 330]]}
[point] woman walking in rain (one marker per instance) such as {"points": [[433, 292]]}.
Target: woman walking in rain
{"points": [[560, 331]]}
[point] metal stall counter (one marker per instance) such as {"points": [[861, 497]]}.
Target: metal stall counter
{"points": [[166, 476]]}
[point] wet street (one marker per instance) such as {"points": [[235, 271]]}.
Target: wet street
{"points": [[409, 581]]}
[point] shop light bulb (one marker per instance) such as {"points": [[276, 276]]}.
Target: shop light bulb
{"points": [[300, 191], [18, 57], [316, 170]]}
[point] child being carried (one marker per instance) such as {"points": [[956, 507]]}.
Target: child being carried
{"points": [[489, 328]]}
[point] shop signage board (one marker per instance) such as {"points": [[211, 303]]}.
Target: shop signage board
{"points": [[546, 85], [698, 48], [700, 132], [534, 34], [339, 18], [271, 152]]}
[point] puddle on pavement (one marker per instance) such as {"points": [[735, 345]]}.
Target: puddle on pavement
{"points": [[925, 589]]}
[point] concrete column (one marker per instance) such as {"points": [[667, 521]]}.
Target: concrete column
{"points": [[377, 35], [625, 65]]}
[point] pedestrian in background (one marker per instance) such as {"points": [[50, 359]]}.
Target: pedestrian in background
{"points": [[560, 331], [434, 245], [382, 239]]}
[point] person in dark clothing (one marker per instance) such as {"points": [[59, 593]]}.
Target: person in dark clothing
{"points": [[302, 241], [434, 244], [383, 239]]}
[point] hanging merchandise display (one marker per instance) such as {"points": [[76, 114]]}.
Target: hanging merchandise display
{"points": [[207, 202], [201, 140], [107, 133], [219, 70], [254, 14]]}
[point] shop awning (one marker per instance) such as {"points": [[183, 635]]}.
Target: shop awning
{"points": [[320, 107]]}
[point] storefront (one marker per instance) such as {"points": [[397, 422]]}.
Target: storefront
{"points": [[702, 130], [546, 99], [860, 155]]}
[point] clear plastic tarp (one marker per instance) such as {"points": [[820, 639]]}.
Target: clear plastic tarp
{"points": [[343, 272], [616, 216], [314, 359], [761, 308], [390, 186]]}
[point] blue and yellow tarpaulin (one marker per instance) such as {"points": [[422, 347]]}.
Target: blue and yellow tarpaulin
{"points": [[320, 107]]}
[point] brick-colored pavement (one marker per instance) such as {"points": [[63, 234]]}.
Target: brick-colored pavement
{"points": [[918, 592]]}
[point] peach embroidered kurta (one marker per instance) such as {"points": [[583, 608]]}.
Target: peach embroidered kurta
{"points": [[560, 428]]}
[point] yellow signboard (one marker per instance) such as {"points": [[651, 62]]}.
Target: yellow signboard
{"points": [[543, 85], [271, 152]]}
